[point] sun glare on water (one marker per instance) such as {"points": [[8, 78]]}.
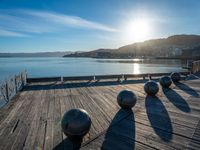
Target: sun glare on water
{"points": [[136, 68], [137, 30]]}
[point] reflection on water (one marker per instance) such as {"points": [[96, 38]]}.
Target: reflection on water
{"points": [[136, 68], [168, 62], [57, 66]]}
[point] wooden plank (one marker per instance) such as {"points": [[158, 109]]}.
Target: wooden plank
{"points": [[41, 131], [48, 141], [63, 97], [32, 135], [8, 112], [12, 128], [97, 144], [64, 107], [195, 141], [25, 127], [57, 131]]}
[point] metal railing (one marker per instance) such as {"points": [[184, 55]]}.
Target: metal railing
{"points": [[99, 77], [10, 87]]}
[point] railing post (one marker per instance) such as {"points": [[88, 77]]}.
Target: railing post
{"points": [[26, 77], [61, 79], [22, 82], [118, 79], [125, 78], [193, 67], [149, 76], [143, 77], [16, 90], [122, 76], [7, 90]]}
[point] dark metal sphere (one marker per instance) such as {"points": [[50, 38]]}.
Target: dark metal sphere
{"points": [[76, 123], [175, 76], [151, 87], [165, 81], [126, 99]]}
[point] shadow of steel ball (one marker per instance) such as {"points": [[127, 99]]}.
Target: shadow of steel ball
{"points": [[165, 81], [151, 87], [175, 76], [76, 123], [126, 99]]}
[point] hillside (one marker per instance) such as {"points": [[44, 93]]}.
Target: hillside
{"points": [[166, 47], [39, 54]]}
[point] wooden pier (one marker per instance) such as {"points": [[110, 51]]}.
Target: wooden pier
{"points": [[171, 120]]}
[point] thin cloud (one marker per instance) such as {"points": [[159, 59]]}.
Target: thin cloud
{"points": [[32, 21], [72, 21], [6, 33]]}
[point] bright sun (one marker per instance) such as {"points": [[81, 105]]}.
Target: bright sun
{"points": [[137, 30]]}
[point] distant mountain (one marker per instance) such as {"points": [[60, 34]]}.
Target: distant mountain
{"points": [[92, 54], [166, 47], [39, 54]]}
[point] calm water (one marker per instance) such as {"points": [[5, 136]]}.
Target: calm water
{"points": [[47, 67]]}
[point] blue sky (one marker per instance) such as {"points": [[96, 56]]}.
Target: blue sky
{"points": [[82, 25]]}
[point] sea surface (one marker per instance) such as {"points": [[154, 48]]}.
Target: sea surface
{"points": [[58, 66]]}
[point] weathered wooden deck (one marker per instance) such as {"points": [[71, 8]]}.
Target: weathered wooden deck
{"points": [[169, 121]]}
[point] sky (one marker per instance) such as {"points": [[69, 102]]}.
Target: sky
{"points": [[83, 25]]}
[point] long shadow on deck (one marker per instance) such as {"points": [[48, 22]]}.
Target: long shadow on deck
{"points": [[159, 118], [186, 89], [194, 76], [176, 100], [121, 132], [49, 86], [67, 144]]}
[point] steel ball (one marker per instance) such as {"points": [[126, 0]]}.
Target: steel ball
{"points": [[165, 81], [151, 87], [76, 123], [175, 76], [126, 99]]}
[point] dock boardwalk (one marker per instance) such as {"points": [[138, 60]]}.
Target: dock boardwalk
{"points": [[171, 120]]}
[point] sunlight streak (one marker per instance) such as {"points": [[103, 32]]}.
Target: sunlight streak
{"points": [[136, 68]]}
